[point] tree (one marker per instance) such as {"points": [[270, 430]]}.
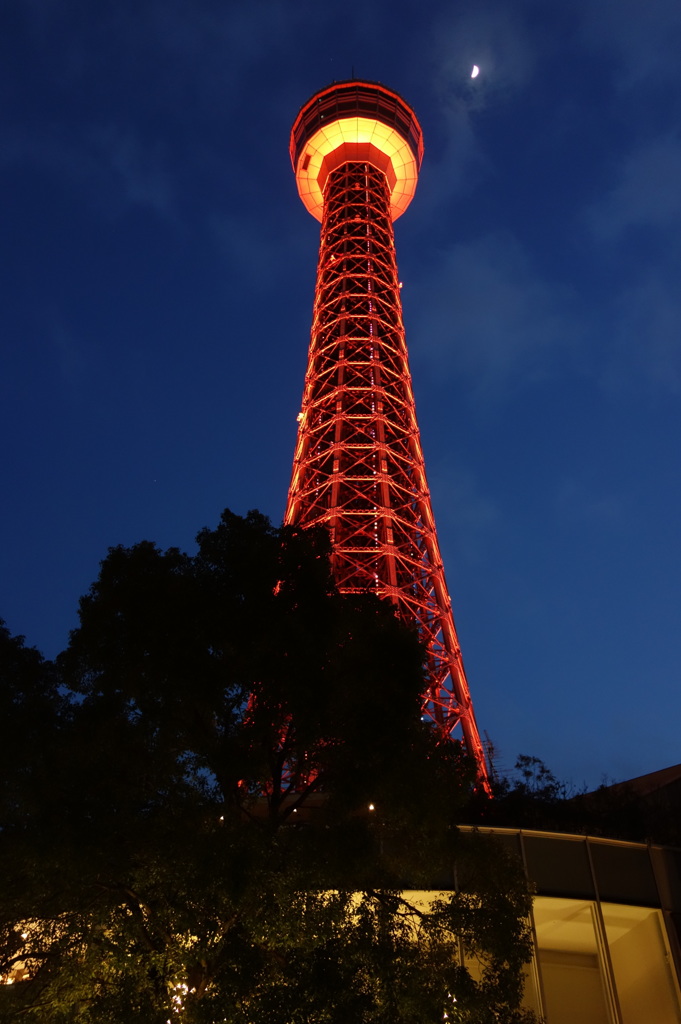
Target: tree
{"points": [[240, 812], [532, 797], [29, 704]]}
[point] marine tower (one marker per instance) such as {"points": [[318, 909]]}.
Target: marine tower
{"points": [[358, 469]]}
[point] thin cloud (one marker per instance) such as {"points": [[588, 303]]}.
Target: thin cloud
{"points": [[491, 36], [195, 60], [114, 168], [462, 511], [487, 312], [497, 40], [73, 359], [636, 229], [647, 193], [578, 505], [253, 250], [139, 171], [646, 334], [644, 37]]}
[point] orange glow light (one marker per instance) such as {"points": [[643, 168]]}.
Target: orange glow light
{"points": [[359, 138]]}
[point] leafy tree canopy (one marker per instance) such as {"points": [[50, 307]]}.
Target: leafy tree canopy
{"points": [[221, 805]]}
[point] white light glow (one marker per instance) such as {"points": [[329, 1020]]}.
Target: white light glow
{"points": [[475, 72]]}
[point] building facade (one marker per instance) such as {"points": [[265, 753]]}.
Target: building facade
{"points": [[605, 926]]}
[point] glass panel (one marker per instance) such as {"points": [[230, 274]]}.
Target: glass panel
{"points": [[559, 866], [667, 867], [510, 842], [641, 964], [624, 874], [530, 993], [569, 962]]}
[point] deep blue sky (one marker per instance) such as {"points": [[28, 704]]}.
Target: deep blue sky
{"points": [[157, 273]]}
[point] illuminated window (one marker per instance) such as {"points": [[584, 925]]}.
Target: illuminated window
{"points": [[570, 962], [641, 964], [615, 972]]}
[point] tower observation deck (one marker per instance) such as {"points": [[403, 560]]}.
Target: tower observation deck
{"points": [[358, 469]]}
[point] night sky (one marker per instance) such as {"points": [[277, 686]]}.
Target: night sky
{"points": [[157, 279]]}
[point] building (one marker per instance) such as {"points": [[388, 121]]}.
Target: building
{"points": [[605, 927]]}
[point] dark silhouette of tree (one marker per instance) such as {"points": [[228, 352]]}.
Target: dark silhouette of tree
{"points": [[29, 709], [532, 797], [223, 806]]}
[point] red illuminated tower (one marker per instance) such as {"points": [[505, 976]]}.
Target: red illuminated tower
{"points": [[358, 469]]}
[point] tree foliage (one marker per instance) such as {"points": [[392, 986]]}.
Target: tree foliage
{"points": [[534, 798], [186, 828]]}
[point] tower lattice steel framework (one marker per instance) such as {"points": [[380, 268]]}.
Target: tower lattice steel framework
{"points": [[358, 469]]}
